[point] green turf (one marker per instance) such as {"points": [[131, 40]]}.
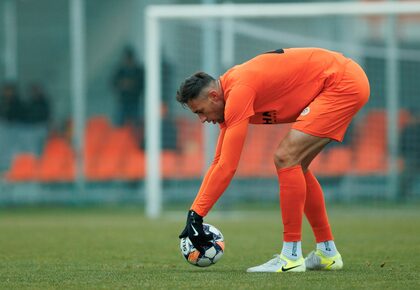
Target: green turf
{"points": [[120, 249]]}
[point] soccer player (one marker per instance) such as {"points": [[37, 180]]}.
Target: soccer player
{"points": [[317, 90]]}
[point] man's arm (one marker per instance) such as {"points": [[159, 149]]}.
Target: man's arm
{"points": [[220, 174], [215, 160], [194, 226]]}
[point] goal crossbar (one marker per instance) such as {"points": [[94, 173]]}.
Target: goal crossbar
{"points": [[281, 10]]}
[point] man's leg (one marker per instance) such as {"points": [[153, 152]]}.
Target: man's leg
{"points": [[296, 148], [315, 209], [289, 156], [326, 255]]}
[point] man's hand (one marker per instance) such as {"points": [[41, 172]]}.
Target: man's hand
{"points": [[195, 232]]}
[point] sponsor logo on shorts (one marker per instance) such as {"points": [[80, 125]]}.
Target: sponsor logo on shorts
{"points": [[305, 111]]}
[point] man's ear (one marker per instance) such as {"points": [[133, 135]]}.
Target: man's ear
{"points": [[213, 95]]}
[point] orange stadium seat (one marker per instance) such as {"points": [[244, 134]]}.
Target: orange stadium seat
{"points": [[119, 146], [133, 167], [317, 165], [23, 168], [190, 165], [97, 131], [370, 145], [110, 158], [404, 118], [98, 123], [257, 155], [106, 168], [371, 141], [370, 161], [190, 135], [169, 161], [252, 153], [68, 172], [337, 161], [190, 161], [57, 162]]}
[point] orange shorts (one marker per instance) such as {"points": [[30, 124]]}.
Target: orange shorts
{"points": [[331, 112]]}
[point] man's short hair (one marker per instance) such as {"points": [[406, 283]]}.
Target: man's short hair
{"points": [[192, 86]]}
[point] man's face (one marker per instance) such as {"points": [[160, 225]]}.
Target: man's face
{"points": [[209, 107]]}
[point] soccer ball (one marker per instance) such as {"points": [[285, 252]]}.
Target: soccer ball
{"points": [[211, 255]]}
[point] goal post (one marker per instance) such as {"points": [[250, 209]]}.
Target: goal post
{"points": [[155, 15]]}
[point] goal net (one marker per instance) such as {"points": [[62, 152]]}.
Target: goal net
{"points": [[371, 163]]}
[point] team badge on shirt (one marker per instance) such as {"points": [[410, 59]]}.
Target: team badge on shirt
{"points": [[305, 111]]}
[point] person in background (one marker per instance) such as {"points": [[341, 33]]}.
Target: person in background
{"points": [[11, 106], [37, 106], [169, 138], [170, 131], [128, 83]]}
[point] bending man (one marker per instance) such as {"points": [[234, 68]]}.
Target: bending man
{"points": [[317, 90]]}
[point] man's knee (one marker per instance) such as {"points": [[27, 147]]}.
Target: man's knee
{"points": [[298, 148], [285, 157]]}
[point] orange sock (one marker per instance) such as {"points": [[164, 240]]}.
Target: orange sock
{"points": [[292, 201], [315, 209]]}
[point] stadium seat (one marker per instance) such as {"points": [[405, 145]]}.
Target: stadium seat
{"points": [[57, 162], [68, 172], [253, 153], [133, 167], [190, 135], [189, 165], [169, 161], [257, 155], [317, 165], [189, 162], [370, 159], [110, 158], [23, 168], [337, 161], [97, 131], [99, 122], [371, 141], [404, 118]]}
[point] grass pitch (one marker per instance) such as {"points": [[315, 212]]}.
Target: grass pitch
{"points": [[117, 248]]}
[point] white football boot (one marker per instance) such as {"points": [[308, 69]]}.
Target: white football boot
{"points": [[280, 264], [316, 260]]}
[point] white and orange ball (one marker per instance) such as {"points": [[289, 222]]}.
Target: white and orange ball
{"points": [[212, 253]]}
